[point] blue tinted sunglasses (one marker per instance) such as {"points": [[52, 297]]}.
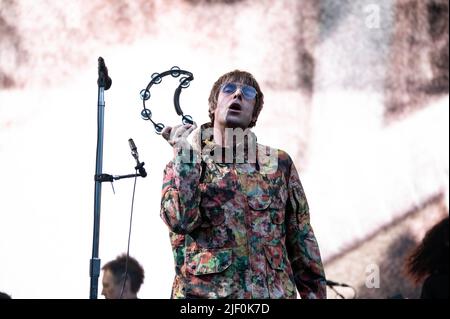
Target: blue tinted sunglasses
{"points": [[249, 92]]}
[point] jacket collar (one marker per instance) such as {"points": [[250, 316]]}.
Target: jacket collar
{"points": [[245, 150]]}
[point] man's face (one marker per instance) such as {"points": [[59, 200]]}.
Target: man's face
{"points": [[111, 288], [235, 105]]}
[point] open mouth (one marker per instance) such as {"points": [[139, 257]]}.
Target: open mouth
{"points": [[235, 107]]}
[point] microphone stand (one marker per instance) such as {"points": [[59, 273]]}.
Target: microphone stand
{"points": [[94, 267], [104, 83], [111, 178], [100, 178]]}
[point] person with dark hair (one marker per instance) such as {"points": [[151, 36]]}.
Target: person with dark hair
{"points": [[4, 295], [237, 214], [430, 260], [122, 278]]}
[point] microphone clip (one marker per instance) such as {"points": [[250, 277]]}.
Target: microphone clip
{"points": [[140, 168]]}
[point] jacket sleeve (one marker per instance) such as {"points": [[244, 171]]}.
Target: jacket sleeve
{"points": [[181, 194], [302, 246]]}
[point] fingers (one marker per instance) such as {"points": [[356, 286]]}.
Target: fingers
{"points": [[191, 128], [180, 131], [166, 132], [177, 135]]}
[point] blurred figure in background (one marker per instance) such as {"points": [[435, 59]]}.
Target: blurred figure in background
{"points": [[4, 295], [122, 278], [429, 261]]}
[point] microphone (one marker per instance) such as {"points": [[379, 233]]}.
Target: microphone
{"points": [[103, 78], [134, 151], [135, 154], [333, 283]]}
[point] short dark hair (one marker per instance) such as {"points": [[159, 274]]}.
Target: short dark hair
{"points": [[242, 77], [135, 271]]}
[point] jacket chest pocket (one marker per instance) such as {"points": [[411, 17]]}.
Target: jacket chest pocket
{"points": [[214, 230], [268, 216], [267, 201]]}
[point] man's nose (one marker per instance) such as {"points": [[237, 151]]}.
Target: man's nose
{"points": [[238, 93]]}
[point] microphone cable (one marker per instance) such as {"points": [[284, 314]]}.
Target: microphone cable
{"points": [[129, 238], [340, 295], [331, 284]]}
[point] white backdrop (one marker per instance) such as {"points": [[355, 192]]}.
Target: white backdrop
{"points": [[358, 173]]}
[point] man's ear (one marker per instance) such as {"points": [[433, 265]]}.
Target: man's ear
{"points": [[128, 284], [122, 278], [127, 288]]}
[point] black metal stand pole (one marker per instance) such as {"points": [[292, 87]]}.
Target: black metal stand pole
{"points": [[104, 83]]}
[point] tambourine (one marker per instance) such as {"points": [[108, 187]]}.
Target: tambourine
{"points": [[185, 81]]}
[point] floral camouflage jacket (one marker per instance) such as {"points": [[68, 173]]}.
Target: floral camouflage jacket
{"points": [[240, 230]]}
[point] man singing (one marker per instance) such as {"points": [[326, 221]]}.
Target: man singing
{"points": [[236, 210]]}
